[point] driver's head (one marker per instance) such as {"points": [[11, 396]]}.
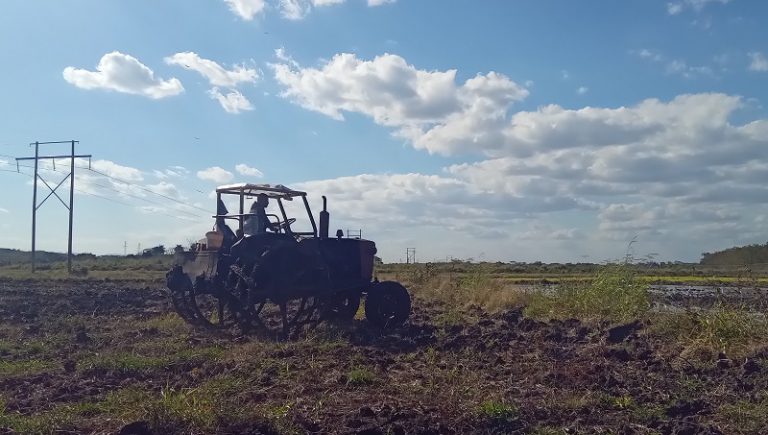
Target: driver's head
{"points": [[262, 200]]}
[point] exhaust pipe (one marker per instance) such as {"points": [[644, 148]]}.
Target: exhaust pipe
{"points": [[324, 218]]}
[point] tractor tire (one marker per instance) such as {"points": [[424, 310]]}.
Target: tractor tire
{"points": [[388, 305]]}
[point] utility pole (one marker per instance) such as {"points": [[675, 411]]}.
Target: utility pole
{"points": [[125, 248], [410, 255], [70, 176]]}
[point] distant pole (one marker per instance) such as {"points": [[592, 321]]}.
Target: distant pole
{"points": [[71, 203], [53, 190], [125, 248], [34, 205], [410, 255]]}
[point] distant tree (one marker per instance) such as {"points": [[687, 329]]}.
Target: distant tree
{"points": [[739, 255], [177, 249], [158, 250]]}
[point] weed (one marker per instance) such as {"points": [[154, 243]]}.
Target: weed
{"points": [[621, 402], [498, 410], [360, 376], [614, 294], [721, 329]]}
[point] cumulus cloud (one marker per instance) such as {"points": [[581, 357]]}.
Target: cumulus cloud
{"points": [[246, 9], [661, 170], [113, 169], [246, 170], [212, 71], [759, 62], [232, 102], [215, 174], [419, 104], [123, 73]]}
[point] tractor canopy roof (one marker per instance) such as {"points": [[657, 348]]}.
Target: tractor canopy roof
{"points": [[271, 190]]}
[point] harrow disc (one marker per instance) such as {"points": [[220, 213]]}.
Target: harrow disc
{"points": [[267, 313]]}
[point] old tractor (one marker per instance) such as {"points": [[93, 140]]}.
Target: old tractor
{"points": [[268, 276]]}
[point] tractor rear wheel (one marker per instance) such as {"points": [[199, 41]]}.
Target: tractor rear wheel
{"points": [[388, 304]]}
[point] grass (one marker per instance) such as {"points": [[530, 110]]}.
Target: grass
{"points": [[734, 330], [615, 293], [747, 416], [497, 410], [127, 363], [361, 376], [27, 367]]}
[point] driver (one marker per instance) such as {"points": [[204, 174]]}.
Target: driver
{"points": [[258, 223]]}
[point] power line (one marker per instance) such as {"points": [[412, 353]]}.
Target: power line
{"points": [[130, 183], [123, 193], [84, 192], [170, 198]]}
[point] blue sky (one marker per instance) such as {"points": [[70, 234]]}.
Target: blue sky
{"points": [[499, 130]]}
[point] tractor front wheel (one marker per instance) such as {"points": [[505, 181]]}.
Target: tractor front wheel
{"points": [[388, 304]]}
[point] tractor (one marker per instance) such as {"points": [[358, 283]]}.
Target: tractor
{"points": [[267, 275]]}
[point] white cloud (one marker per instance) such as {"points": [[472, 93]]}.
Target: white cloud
{"points": [[681, 68], [649, 54], [113, 169], [295, 9], [215, 174], [4, 210], [166, 188], [675, 66], [676, 7], [171, 172], [759, 62], [123, 73], [246, 170], [424, 106], [284, 57], [215, 73], [247, 9], [232, 102], [666, 171], [582, 90], [289, 9]]}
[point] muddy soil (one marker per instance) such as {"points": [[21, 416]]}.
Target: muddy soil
{"points": [[473, 373]]}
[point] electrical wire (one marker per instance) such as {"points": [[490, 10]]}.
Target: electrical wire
{"points": [[144, 189], [119, 191], [100, 196], [130, 183]]}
